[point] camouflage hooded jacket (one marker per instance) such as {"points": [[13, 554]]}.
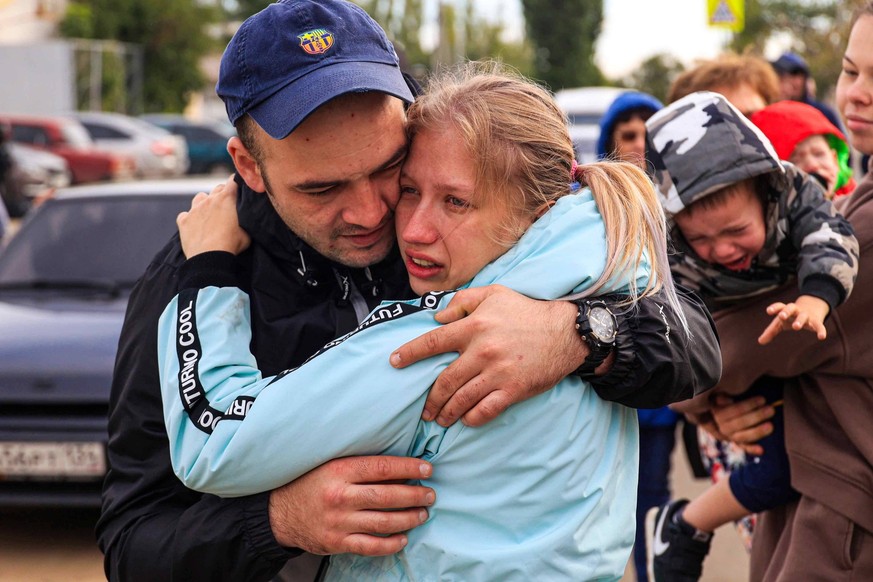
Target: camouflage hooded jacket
{"points": [[701, 144]]}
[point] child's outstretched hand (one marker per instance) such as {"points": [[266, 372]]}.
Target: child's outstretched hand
{"points": [[212, 223], [807, 312]]}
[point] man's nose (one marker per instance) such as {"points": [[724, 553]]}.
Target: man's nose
{"points": [[367, 207]]}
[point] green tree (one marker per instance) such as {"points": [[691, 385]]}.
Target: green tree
{"points": [[242, 9], [172, 34], [655, 75], [485, 40], [816, 29], [402, 20], [564, 33]]}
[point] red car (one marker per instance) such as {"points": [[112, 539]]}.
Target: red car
{"points": [[68, 139]]}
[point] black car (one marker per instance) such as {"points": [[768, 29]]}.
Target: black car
{"points": [[65, 279]]}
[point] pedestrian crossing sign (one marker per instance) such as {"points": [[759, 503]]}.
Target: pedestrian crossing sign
{"points": [[728, 14]]}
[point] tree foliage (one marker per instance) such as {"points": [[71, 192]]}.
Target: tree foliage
{"points": [[816, 29], [172, 34], [242, 9], [655, 75], [564, 33], [484, 39], [462, 34], [402, 21]]}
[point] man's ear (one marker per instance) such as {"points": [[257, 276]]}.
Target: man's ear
{"points": [[246, 165]]}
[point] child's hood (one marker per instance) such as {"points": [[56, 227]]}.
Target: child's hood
{"points": [[787, 123], [700, 144]]}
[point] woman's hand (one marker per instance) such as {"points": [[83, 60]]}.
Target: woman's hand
{"points": [[212, 223], [807, 312]]}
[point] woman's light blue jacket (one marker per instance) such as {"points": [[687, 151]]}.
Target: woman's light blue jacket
{"points": [[544, 492]]}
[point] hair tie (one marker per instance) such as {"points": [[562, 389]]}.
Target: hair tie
{"points": [[573, 167]]}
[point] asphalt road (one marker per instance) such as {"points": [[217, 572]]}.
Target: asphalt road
{"points": [[58, 545]]}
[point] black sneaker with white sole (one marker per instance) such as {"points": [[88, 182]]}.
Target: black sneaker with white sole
{"points": [[674, 549]]}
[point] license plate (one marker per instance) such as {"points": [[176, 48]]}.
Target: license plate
{"points": [[51, 461]]}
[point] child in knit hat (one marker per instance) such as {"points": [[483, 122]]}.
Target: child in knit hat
{"points": [[802, 135]]}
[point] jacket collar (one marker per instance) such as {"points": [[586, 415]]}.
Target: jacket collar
{"points": [[267, 229]]}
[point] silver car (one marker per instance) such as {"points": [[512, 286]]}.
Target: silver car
{"points": [[35, 171], [584, 107], [156, 152]]}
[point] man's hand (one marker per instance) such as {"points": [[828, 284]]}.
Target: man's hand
{"points": [[807, 312], [212, 224], [347, 505], [744, 422], [511, 348]]}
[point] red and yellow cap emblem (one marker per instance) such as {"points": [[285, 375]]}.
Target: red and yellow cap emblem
{"points": [[316, 42]]}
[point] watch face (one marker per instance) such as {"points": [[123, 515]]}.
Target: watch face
{"points": [[602, 323]]}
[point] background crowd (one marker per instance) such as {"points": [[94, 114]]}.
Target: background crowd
{"points": [[776, 435]]}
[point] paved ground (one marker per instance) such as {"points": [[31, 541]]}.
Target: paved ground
{"points": [[727, 560], [58, 546], [49, 546]]}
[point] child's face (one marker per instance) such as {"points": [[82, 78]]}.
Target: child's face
{"points": [[731, 233], [814, 156], [630, 141]]}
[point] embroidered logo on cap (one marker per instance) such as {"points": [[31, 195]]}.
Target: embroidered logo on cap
{"points": [[316, 42]]}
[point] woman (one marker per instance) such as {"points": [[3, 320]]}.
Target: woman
{"points": [[826, 535], [545, 491]]}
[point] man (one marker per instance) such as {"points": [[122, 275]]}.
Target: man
{"points": [[322, 255], [794, 84]]}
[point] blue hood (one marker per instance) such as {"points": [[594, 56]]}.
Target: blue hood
{"points": [[622, 103]]}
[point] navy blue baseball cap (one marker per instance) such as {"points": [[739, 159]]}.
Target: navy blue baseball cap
{"points": [[791, 63], [296, 55]]}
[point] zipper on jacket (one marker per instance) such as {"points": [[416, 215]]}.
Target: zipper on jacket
{"points": [[352, 294]]}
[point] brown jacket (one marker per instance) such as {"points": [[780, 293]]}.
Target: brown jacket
{"points": [[829, 397]]}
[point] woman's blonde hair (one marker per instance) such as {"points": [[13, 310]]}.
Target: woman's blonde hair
{"points": [[517, 137]]}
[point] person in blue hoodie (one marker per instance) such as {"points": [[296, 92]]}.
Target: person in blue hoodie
{"points": [[623, 127], [490, 194], [623, 138]]}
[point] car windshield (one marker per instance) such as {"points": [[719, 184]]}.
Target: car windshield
{"points": [[89, 243]]}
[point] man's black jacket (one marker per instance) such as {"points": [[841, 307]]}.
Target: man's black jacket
{"points": [[154, 529]]}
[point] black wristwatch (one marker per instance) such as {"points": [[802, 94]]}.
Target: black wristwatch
{"points": [[598, 327]]}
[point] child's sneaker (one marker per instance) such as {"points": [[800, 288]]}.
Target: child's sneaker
{"points": [[674, 549]]}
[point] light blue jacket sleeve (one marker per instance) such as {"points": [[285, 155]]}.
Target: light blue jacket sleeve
{"points": [[233, 432]]}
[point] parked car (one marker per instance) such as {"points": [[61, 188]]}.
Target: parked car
{"points": [[37, 170], [584, 107], [31, 173], [207, 141], [156, 152], [68, 139], [65, 278]]}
